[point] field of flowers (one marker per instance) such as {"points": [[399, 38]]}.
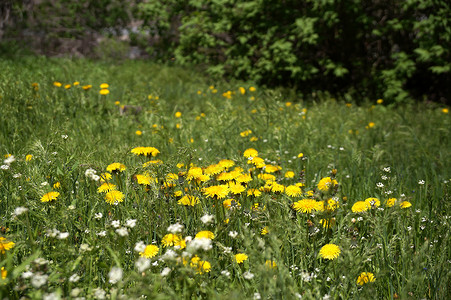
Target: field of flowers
{"points": [[133, 180]]}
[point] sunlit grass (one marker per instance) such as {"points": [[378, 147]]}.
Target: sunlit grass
{"points": [[85, 213]]}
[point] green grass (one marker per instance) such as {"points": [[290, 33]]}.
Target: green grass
{"points": [[407, 249]]}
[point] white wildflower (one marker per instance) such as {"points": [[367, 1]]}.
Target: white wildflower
{"points": [[225, 273], [99, 293], [122, 231], [207, 219], [165, 272], [39, 280], [233, 234], [421, 182], [140, 246], [18, 211], [98, 215], [9, 160], [175, 228], [116, 223], [142, 264], [130, 223], [196, 244], [115, 275], [169, 255], [74, 278], [248, 275], [63, 235]]}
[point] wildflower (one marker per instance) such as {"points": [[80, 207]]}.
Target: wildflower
{"points": [[289, 174], [115, 275], [206, 219], [233, 234], [145, 151], [9, 160], [331, 204], [57, 84], [5, 245], [175, 228], [138, 132], [231, 204], [360, 206], [57, 185], [218, 191], [252, 89], [326, 183], [38, 280], [171, 239], [200, 265], [330, 251], [205, 234], [244, 178], [251, 152], [104, 86], [122, 231], [379, 101], [18, 211], [248, 275], [50, 196], [405, 204], [373, 202], [130, 223], [240, 257], [236, 188], [145, 179], [306, 205], [445, 110], [28, 157], [254, 192], [189, 200], [390, 202], [165, 272], [264, 230], [178, 114], [87, 87], [293, 191], [116, 168], [104, 92], [202, 243], [421, 182], [271, 264], [150, 251], [114, 197], [371, 125], [328, 223], [365, 277]]}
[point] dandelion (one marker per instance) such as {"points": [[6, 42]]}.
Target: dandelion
{"points": [[5, 245], [189, 200], [405, 204], [145, 151], [252, 89], [51, 196], [28, 157], [254, 193], [114, 197], [218, 191], [365, 277], [178, 114], [104, 92], [200, 265], [264, 230], [251, 152], [236, 188], [373, 202], [271, 264], [116, 168], [57, 84], [240, 257], [326, 183], [150, 251], [205, 235], [289, 174], [171, 239], [360, 206], [293, 191], [306, 205], [390, 202], [445, 110], [330, 251]]}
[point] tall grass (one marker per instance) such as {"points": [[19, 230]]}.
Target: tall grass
{"points": [[70, 247]]}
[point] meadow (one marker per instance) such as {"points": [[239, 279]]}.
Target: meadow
{"points": [[129, 180]]}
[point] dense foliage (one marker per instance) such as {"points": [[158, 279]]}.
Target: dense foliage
{"points": [[391, 49]]}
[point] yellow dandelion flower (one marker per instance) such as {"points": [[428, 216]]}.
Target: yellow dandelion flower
{"points": [[330, 251], [264, 230], [254, 192], [272, 169], [57, 84], [104, 177], [4, 273], [253, 139], [5, 245], [251, 152], [331, 204], [114, 197], [327, 223], [305, 205], [365, 277], [201, 266], [445, 110], [57, 185], [116, 168], [104, 86], [230, 204], [205, 235], [28, 157], [289, 174], [150, 251], [189, 200], [326, 183], [379, 101], [106, 187], [405, 204], [226, 163], [360, 206], [240, 257], [270, 264], [51, 196], [194, 173], [236, 188], [244, 178], [104, 92], [242, 90], [293, 191], [218, 191], [171, 239], [267, 177], [145, 179], [245, 133], [145, 151], [138, 132], [178, 114], [257, 162], [252, 89], [152, 162], [390, 202], [76, 83], [67, 86], [87, 87], [214, 169], [373, 202]]}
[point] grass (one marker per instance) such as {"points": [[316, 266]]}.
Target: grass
{"points": [[78, 245]]}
